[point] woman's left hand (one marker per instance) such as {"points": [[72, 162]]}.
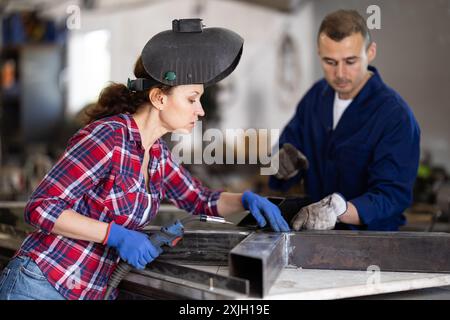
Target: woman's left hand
{"points": [[262, 210]]}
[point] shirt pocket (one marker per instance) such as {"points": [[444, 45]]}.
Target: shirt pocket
{"points": [[4, 275], [156, 184], [156, 190], [126, 201], [31, 270]]}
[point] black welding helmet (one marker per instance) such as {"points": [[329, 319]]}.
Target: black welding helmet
{"points": [[189, 54]]}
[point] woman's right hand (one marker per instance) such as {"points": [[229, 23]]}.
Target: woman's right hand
{"points": [[134, 247]]}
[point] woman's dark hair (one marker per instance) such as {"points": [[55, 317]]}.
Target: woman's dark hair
{"points": [[117, 98]]}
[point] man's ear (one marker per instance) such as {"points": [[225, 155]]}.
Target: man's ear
{"points": [[371, 51], [321, 38], [157, 98]]}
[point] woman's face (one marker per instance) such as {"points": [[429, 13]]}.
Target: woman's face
{"points": [[182, 107]]}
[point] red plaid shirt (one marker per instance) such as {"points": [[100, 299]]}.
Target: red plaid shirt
{"points": [[99, 176]]}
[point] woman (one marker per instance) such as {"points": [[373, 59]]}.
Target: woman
{"points": [[116, 170]]}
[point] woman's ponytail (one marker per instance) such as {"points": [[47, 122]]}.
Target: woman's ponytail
{"points": [[117, 98], [114, 99]]}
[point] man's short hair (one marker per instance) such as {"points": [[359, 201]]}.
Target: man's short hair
{"points": [[343, 23]]}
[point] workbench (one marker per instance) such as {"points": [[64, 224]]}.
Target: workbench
{"points": [[307, 283], [314, 284], [299, 284], [269, 260]]}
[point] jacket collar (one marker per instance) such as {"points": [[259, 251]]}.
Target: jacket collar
{"points": [[359, 101]]}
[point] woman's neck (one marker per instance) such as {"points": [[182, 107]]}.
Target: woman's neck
{"points": [[149, 124]]}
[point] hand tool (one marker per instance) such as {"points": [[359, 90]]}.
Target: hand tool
{"points": [[167, 236]]}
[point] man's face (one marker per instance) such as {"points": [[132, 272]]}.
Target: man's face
{"points": [[344, 63]]}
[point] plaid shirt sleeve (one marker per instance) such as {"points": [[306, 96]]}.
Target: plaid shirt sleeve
{"points": [[84, 162], [185, 191]]}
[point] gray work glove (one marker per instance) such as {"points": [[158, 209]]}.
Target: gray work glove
{"points": [[291, 161], [320, 215]]}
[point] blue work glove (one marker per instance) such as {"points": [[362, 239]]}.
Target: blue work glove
{"points": [[133, 247], [262, 210]]}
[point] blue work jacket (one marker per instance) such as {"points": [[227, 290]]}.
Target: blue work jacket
{"points": [[371, 157]]}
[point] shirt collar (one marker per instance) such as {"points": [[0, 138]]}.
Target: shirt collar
{"points": [[374, 83], [133, 130], [134, 135]]}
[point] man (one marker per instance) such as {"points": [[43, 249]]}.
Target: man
{"points": [[353, 139]]}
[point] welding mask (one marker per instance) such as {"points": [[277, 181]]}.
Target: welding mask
{"points": [[189, 54]]}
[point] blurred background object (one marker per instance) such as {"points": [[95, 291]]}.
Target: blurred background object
{"points": [[57, 55]]}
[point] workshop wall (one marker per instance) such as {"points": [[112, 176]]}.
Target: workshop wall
{"points": [[252, 96], [279, 62], [413, 46]]}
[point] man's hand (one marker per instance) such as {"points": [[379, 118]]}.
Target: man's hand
{"points": [[291, 161], [262, 210], [320, 215]]}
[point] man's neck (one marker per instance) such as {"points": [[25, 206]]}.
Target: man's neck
{"points": [[354, 93]]}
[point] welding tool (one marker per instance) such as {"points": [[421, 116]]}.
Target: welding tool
{"points": [[167, 236]]}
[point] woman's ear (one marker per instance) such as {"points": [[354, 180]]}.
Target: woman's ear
{"points": [[157, 98]]}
